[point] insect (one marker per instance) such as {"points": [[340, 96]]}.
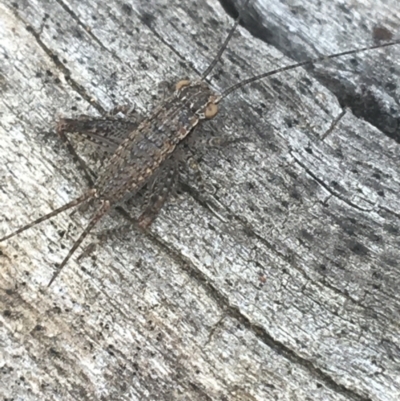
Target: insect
{"points": [[149, 155]]}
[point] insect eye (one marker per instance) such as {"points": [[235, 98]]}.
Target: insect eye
{"points": [[181, 84], [211, 110]]}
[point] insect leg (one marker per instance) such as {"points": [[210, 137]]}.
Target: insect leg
{"points": [[118, 232], [106, 133], [159, 191], [105, 207], [88, 195], [154, 196]]}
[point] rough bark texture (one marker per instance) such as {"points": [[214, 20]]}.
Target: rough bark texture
{"points": [[286, 288]]}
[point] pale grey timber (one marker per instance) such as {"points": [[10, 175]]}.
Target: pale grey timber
{"points": [[284, 285]]}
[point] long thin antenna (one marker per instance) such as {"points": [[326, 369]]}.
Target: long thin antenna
{"points": [[75, 202], [224, 45], [96, 218], [301, 64]]}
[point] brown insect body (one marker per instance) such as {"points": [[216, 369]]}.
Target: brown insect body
{"points": [[139, 155]]}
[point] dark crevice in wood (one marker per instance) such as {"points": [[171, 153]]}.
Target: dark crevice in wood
{"points": [[259, 331], [364, 104], [147, 22], [79, 23], [75, 85], [87, 31]]}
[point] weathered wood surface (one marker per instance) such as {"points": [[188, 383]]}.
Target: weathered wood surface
{"points": [[287, 288]]}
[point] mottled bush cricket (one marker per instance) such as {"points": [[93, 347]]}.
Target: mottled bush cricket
{"points": [[149, 154]]}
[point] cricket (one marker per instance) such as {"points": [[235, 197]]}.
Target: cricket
{"points": [[149, 155]]}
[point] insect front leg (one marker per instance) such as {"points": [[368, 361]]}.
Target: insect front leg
{"points": [[193, 149]]}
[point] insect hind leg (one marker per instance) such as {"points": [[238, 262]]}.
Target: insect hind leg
{"points": [[88, 195], [159, 191], [106, 133], [154, 196], [102, 211]]}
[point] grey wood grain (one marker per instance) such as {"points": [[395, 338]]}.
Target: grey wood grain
{"points": [[283, 284]]}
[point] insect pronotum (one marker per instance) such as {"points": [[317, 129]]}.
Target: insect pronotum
{"points": [[146, 149]]}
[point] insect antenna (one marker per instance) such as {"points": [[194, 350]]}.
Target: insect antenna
{"points": [[88, 195], [224, 45], [105, 207], [255, 78]]}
